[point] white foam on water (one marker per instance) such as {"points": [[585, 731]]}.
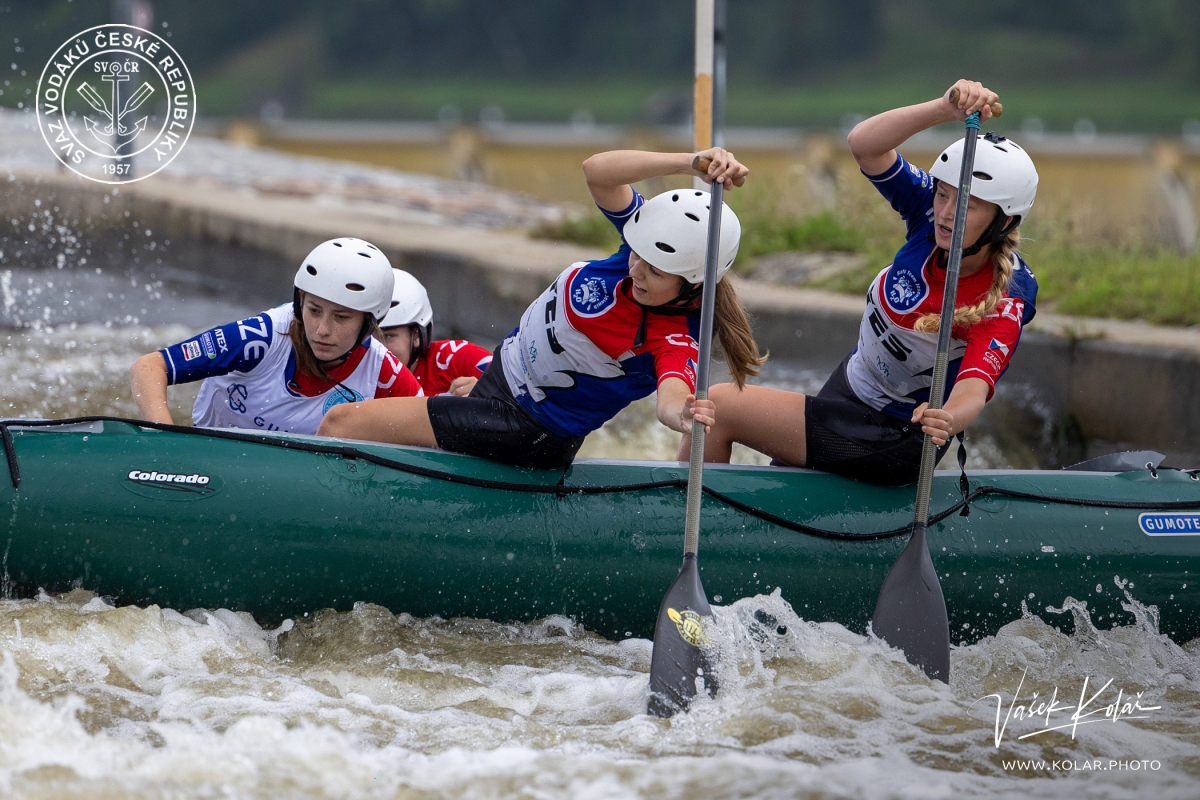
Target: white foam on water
{"points": [[145, 703]]}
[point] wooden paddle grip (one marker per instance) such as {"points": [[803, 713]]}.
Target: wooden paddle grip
{"points": [[997, 108], [700, 164]]}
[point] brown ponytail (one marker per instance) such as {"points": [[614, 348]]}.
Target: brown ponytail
{"points": [[737, 339]]}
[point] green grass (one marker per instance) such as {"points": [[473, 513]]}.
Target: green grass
{"points": [[1149, 283]]}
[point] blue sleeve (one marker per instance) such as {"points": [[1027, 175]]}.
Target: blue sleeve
{"points": [[234, 347], [909, 190], [619, 218], [1024, 285]]}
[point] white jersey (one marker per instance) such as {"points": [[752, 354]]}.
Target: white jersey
{"points": [[259, 396]]}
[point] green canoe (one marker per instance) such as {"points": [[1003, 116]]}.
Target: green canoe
{"points": [[278, 525]]}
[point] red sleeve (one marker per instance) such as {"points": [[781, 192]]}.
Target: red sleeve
{"points": [[395, 380], [469, 360], [675, 351], [991, 343]]}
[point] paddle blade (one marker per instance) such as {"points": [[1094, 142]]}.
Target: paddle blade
{"points": [[682, 655], [911, 612]]}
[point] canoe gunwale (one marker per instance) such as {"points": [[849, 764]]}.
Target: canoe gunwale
{"points": [[559, 488]]}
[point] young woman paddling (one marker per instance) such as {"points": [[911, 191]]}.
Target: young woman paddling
{"points": [[285, 368], [869, 419], [603, 334], [446, 365]]}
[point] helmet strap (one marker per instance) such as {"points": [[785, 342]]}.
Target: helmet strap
{"points": [[1000, 227], [687, 294]]}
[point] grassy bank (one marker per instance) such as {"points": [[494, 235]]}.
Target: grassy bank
{"points": [[1136, 278]]}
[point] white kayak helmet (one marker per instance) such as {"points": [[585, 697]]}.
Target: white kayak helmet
{"points": [[1003, 172], [350, 272], [670, 231], [409, 304]]}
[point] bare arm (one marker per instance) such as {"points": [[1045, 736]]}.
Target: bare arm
{"points": [[609, 174], [873, 141], [148, 376], [676, 405]]}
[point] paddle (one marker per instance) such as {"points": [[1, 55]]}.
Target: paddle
{"points": [[911, 611], [682, 653]]}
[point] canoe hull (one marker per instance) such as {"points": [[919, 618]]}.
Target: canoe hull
{"points": [[281, 525]]}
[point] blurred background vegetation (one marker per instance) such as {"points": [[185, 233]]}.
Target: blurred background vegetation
{"points": [[1107, 238], [1126, 65]]}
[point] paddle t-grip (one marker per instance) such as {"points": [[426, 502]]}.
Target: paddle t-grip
{"points": [[997, 108], [701, 164]]}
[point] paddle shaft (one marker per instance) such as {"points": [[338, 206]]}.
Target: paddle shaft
{"points": [[691, 528], [682, 657], [953, 266]]}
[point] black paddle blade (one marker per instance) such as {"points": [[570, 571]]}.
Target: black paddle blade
{"points": [[911, 612], [682, 651]]}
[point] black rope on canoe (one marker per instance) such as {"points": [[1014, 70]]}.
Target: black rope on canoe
{"points": [[561, 490]]}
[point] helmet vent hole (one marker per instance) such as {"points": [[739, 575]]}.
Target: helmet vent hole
{"points": [[675, 198], [691, 216], [310, 269], [365, 255], [336, 244], [983, 176], [666, 248], [356, 287]]}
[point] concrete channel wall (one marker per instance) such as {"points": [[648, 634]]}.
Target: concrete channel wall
{"points": [[1102, 385]]}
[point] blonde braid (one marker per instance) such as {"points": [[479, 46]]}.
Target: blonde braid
{"points": [[1004, 261]]}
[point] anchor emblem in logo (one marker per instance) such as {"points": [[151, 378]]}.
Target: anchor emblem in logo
{"points": [[115, 103], [115, 112]]}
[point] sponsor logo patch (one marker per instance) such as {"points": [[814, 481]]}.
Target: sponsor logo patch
{"points": [[1165, 523], [191, 350]]}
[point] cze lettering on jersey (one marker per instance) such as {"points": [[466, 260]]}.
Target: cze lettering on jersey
{"points": [[244, 327]]}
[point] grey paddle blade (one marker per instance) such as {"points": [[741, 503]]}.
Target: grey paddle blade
{"points": [[682, 661], [910, 613]]}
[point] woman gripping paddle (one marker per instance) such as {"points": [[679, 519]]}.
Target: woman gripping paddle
{"points": [[603, 334], [285, 368], [869, 420]]}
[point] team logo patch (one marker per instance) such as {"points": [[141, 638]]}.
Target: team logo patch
{"points": [[115, 103], [191, 350], [591, 296], [339, 396], [998, 345], [903, 290]]}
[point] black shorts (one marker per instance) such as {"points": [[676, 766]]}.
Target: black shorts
{"points": [[847, 437], [491, 424]]}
